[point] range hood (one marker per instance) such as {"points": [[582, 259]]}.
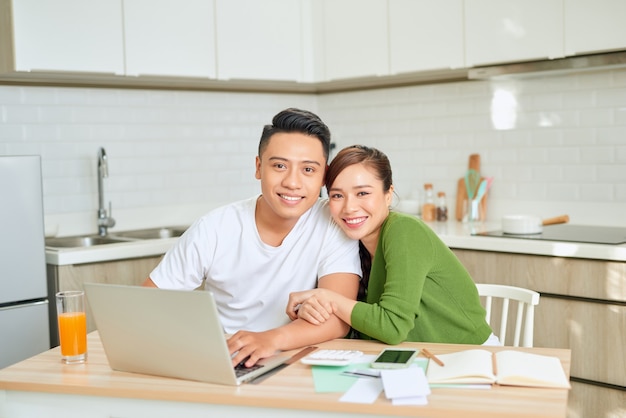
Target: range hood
{"points": [[596, 62]]}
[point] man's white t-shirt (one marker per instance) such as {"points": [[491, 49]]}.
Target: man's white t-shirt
{"points": [[251, 280]]}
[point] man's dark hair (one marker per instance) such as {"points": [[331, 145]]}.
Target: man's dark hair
{"points": [[297, 120]]}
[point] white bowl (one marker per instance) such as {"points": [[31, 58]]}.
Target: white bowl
{"points": [[521, 224], [408, 206]]}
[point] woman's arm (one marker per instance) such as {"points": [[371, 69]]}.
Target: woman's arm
{"points": [[402, 262], [318, 305]]}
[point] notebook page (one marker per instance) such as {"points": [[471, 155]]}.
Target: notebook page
{"points": [[527, 369], [468, 366]]}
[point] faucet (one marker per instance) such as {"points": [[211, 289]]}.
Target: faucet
{"points": [[105, 220]]}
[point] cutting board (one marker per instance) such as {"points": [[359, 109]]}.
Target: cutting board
{"points": [[461, 192]]}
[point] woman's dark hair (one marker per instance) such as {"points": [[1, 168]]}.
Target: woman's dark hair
{"points": [[297, 120], [378, 162]]}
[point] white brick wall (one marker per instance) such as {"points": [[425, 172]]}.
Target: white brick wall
{"points": [[565, 152], [175, 154]]}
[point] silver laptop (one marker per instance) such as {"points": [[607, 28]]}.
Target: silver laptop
{"points": [[172, 333]]}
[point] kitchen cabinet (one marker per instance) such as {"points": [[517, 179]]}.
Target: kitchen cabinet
{"points": [[355, 39], [267, 42], [425, 35], [63, 35], [130, 272], [169, 38], [299, 46], [582, 307], [594, 26], [499, 31]]}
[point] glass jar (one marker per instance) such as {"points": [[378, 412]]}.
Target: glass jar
{"points": [[442, 207], [429, 210]]}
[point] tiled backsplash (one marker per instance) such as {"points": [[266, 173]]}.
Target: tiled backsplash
{"points": [[554, 145]]}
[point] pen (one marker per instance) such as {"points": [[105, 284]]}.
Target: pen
{"points": [[432, 357], [360, 373]]}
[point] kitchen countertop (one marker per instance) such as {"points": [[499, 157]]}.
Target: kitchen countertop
{"points": [[109, 252], [459, 236], [455, 234]]}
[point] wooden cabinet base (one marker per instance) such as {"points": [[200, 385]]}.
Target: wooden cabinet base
{"points": [[71, 277], [582, 307], [594, 401]]}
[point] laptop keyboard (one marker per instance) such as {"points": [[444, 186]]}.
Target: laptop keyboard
{"points": [[241, 370]]}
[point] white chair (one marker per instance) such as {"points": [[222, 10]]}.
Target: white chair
{"points": [[527, 300]]}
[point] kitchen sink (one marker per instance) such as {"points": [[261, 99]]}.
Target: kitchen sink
{"points": [[82, 241], [153, 233], [116, 238]]}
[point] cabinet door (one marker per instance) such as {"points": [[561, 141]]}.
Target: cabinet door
{"points": [[260, 40], [425, 35], [68, 35], [130, 272], [355, 38], [499, 31], [594, 26], [589, 330], [164, 37]]}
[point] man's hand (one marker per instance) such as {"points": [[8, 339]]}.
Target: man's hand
{"points": [[252, 345]]}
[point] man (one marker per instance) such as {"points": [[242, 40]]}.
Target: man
{"points": [[251, 254]]}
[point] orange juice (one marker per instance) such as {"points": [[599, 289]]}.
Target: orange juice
{"points": [[73, 333]]}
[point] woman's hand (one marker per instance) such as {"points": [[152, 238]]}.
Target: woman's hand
{"points": [[315, 306]]}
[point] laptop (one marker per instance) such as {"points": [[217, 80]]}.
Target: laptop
{"points": [[173, 333]]}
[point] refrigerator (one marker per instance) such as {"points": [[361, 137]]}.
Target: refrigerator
{"points": [[24, 325]]}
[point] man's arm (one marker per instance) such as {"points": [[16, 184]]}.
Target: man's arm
{"points": [[298, 333], [148, 283]]}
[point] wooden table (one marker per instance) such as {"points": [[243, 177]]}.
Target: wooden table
{"points": [[43, 386]]}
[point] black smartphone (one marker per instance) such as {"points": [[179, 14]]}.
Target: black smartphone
{"points": [[394, 358]]}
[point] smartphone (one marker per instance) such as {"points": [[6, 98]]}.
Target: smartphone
{"points": [[394, 358]]}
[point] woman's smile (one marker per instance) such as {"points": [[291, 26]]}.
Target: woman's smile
{"points": [[355, 222]]}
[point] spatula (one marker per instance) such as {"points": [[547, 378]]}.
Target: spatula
{"points": [[472, 181]]}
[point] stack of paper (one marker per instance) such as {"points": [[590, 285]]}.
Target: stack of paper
{"points": [[406, 386], [402, 386]]}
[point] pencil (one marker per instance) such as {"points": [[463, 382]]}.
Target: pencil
{"points": [[432, 357]]}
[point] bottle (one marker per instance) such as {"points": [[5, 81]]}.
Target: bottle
{"points": [[442, 207], [428, 209]]}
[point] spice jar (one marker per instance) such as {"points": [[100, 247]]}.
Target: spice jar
{"points": [[429, 209], [442, 207]]}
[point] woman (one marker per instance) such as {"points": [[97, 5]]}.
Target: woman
{"points": [[413, 287]]}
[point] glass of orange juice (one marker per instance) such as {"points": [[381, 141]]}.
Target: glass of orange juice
{"points": [[72, 326]]}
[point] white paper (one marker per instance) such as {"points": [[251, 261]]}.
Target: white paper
{"points": [[405, 383], [363, 391]]}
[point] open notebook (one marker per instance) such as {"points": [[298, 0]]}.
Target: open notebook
{"points": [[170, 333], [508, 367]]}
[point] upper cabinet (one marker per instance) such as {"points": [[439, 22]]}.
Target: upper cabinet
{"points": [[594, 26], [498, 31], [354, 38], [425, 35], [292, 45], [262, 40], [65, 35], [171, 38]]}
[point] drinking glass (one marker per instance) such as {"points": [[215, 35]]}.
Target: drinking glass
{"points": [[72, 326]]}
